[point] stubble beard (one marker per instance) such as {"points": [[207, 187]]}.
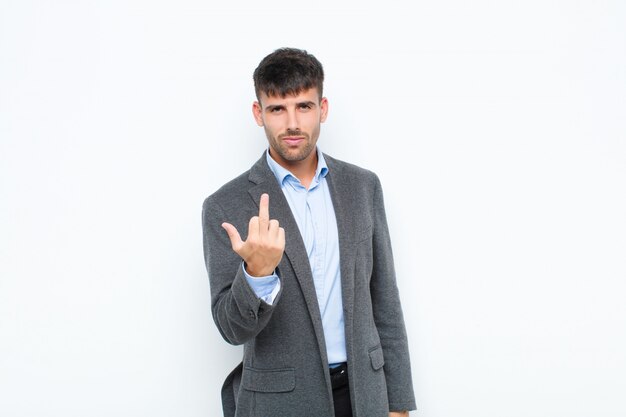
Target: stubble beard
{"points": [[289, 153]]}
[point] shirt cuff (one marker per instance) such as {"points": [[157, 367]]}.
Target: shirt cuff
{"points": [[266, 288]]}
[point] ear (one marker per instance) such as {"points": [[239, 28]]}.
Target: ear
{"points": [[324, 109], [257, 112]]}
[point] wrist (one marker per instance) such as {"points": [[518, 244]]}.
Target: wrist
{"points": [[257, 272]]}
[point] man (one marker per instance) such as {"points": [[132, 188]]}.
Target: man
{"points": [[311, 291]]}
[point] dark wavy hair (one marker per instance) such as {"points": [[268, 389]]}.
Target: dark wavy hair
{"points": [[288, 71]]}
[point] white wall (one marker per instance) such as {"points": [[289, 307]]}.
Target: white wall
{"points": [[497, 128]]}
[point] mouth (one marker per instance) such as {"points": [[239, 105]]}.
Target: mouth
{"points": [[293, 140]]}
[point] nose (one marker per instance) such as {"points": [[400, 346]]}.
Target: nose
{"points": [[292, 120]]}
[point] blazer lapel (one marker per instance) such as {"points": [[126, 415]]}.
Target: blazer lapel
{"points": [[340, 196], [295, 251]]}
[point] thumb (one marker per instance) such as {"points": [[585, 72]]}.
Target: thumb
{"points": [[233, 234]]}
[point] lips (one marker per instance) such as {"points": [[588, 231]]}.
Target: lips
{"points": [[293, 140]]}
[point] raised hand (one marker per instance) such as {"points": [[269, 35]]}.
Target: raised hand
{"points": [[265, 244]]}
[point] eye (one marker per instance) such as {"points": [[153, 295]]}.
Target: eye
{"points": [[304, 106], [276, 109]]}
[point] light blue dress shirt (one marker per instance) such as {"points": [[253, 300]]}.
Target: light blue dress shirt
{"points": [[314, 213]]}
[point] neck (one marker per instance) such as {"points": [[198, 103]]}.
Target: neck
{"points": [[303, 170]]}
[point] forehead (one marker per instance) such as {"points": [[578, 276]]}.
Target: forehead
{"points": [[305, 95]]}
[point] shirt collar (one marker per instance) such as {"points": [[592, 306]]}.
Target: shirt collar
{"points": [[282, 173]]}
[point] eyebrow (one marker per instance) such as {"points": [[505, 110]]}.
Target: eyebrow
{"points": [[282, 106], [274, 106]]}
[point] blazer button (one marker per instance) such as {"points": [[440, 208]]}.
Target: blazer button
{"points": [[251, 313]]}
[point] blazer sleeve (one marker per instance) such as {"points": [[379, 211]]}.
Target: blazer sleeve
{"points": [[237, 311], [387, 311]]}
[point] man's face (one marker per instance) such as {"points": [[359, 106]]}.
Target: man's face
{"points": [[292, 124]]}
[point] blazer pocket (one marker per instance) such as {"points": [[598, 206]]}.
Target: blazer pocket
{"points": [[268, 380], [376, 357]]}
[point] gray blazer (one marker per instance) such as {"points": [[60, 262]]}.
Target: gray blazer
{"points": [[284, 371]]}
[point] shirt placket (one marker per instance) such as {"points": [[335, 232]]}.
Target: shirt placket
{"points": [[317, 261]]}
